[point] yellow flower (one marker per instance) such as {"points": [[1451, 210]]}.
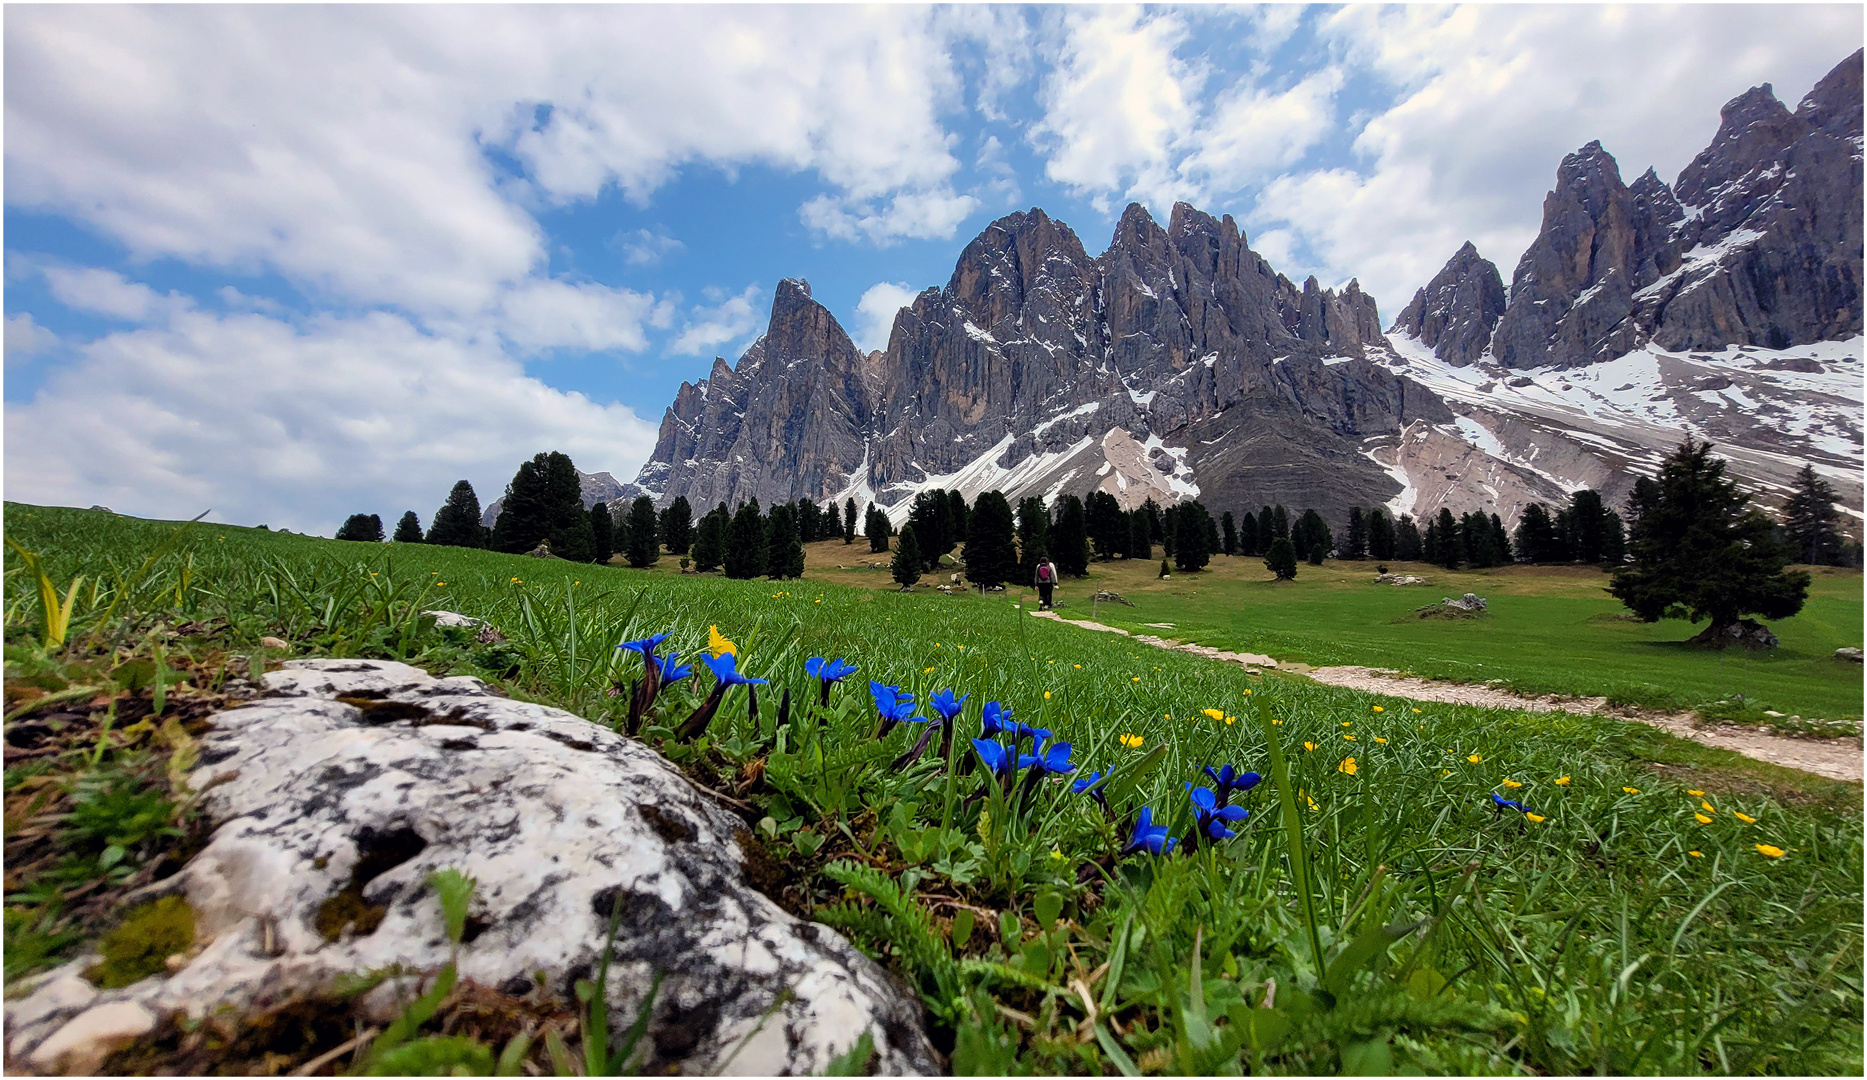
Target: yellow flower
{"points": [[1631, 790], [372, 572], [1348, 723], [1561, 781], [1347, 766], [1377, 708], [1702, 819], [515, 581], [1131, 740], [1743, 817], [819, 600], [1695, 793], [1416, 710], [1536, 817], [1046, 695], [1696, 854], [440, 583], [1216, 714], [1277, 723], [1247, 693], [1309, 746], [1306, 797], [1137, 678], [718, 645], [926, 671], [1056, 853], [1380, 740], [1350, 738], [1443, 773], [1770, 850], [1707, 807], [1509, 783], [1230, 720], [1474, 759]]}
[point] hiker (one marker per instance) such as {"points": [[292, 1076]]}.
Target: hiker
{"points": [[1046, 582]]}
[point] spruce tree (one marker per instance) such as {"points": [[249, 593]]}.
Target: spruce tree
{"points": [[957, 515], [744, 557], [906, 565], [1033, 536], [1069, 538], [1228, 534], [784, 549], [1267, 529], [1139, 546], [365, 528], [568, 523], [1248, 534], [1155, 528], [849, 520], [1537, 539], [1190, 553], [991, 559], [644, 534], [1355, 545], [877, 528], [1451, 546], [1407, 539], [1701, 552], [1478, 541], [408, 530], [1810, 524], [678, 534], [457, 522], [1281, 559], [1108, 527], [618, 531], [1429, 544], [1211, 527], [932, 518], [710, 540], [1380, 535], [1500, 539], [524, 516], [602, 535]]}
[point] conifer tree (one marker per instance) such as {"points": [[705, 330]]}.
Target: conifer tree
{"points": [[710, 540], [1380, 535], [1500, 539], [784, 550], [408, 530], [1211, 528], [1108, 527], [1248, 534], [991, 559], [744, 557], [1281, 559], [366, 528], [849, 520], [957, 515], [1407, 543], [1228, 534], [1280, 522], [1810, 523], [1033, 536], [1700, 552], [1267, 529], [1069, 538], [878, 529], [1190, 553], [602, 535], [1355, 545], [678, 533], [1155, 527], [1537, 539], [457, 522], [1451, 545], [906, 565], [1139, 546], [932, 517], [1429, 544], [644, 534]]}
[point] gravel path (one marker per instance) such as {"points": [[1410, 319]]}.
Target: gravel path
{"points": [[1837, 759]]}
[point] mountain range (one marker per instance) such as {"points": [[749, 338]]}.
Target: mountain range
{"points": [[1179, 364]]}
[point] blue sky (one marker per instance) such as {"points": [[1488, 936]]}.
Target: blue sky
{"points": [[294, 263]]}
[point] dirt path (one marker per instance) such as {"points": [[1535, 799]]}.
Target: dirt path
{"points": [[1837, 759]]}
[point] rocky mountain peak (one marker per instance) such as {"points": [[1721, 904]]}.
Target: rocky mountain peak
{"points": [[1834, 105], [1457, 310], [1753, 130]]}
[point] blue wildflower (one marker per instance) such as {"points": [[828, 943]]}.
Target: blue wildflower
{"points": [[1148, 836], [946, 705], [1228, 779], [1501, 802], [893, 705], [998, 759], [829, 670], [1212, 816], [725, 669], [672, 671], [1056, 759], [645, 646], [1086, 782], [997, 718]]}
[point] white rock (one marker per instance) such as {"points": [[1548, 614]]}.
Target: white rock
{"points": [[454, 618], [556, 818], [80, 1046]]}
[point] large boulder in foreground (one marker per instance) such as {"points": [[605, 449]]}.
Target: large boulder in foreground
{"points": [[336, 795]]}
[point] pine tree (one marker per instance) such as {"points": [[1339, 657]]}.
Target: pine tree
{"points": [[408, 530], [877, 528], [1355, 546], [1139, 546], [366, 528], [849, 520], [932, 517], [1587, 528], [1033, 536], [1381, 537], [784, 550], [1212, 531], [1069, 538], [1477, 540], [457, 522], [1701, 552], [1407, 545], [544, 501], [710, 540], [1228, 534], [1108, 528], [1190, 553], [1500, 539], [906, 565], [1537, 539], [678, 533], [957, 515], [744, 557], [1155, 528], [602, 535], [1281, 559], [1810, 523], [1429, 545], [1248, 534], [1451, 545], [1280, 522], [1311, 538], [644, 539], [991, 559], [1267, 529]]}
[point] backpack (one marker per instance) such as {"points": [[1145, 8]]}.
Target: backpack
{"points": [[1043, 573]]}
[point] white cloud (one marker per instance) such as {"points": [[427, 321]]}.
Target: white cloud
{"points": [[588, 316], [875, 313], [644, 247], [917, 215], [106, 292], [710, 327], [26, 339], [296, 425], [1489, 100], [1254, 131]]}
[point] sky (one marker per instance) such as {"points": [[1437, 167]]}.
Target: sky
{"points": [[290, 263]]}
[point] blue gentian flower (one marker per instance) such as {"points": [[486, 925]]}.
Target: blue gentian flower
{"points": [[1212, 815], [1148, 836], [893, 705], [1086, 782], [829, 670], [644, 646], [672, 671], [725, 669], [1228, 779], [1501, 802], [946, 705], [997, 718], [1056, 759], [996, 757]]}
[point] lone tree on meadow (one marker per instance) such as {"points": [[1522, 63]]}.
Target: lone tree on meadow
{"points": [[907, 561], [363, 527], [644, 534], [602, 535], [1700, 552], [1281, 560], [457, 523], [408, 530]]}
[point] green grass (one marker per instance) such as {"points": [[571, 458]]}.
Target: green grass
{"points": [[1548, 630], [1617, 934]]}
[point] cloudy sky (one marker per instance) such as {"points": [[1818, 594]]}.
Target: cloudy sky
{"points": [[293, 263]]}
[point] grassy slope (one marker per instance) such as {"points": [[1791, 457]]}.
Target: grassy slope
{"points": [[1745, 963], [1549, 629]]}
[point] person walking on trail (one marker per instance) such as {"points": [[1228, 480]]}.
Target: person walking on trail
{"points": [[1046, 583]]}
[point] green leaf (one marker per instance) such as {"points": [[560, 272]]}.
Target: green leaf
{"points": [[1367, 946], [962, 927], [435, 1055], [1117, 1055], [1120, 787], [1260, 1029], [1371, 1057], [855, 1060], [512, 1058], [1049, 906], [455, 891]]}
